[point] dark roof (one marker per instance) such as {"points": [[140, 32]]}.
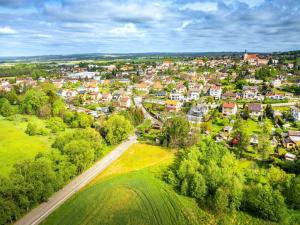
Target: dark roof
{"points": [[254, 107]]}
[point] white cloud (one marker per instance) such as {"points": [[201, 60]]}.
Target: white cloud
{"points": [[201, 6], [184, 25], [252, 3], [7, 30], [129, 29], [43, 35]]}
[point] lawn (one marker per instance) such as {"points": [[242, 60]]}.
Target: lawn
{"points": [[131, 192], [15, 145]]}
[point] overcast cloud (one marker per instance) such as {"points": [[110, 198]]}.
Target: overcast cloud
{"points": [[33, 27]]}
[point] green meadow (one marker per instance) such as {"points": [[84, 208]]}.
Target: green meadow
{"points": [[16, 145]]}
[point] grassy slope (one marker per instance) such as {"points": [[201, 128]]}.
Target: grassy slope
{"points": [[130, 192], [15, 145]]}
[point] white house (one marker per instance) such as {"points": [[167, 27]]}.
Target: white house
{"points": [[295, 113], [193, 95], [229, 108], [215, 91], [177, 96], [276, 83]]}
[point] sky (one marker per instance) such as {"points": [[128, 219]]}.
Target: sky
{"points": [[49, 27]]}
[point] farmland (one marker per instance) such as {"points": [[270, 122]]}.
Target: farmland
{"points": [[130, 193], [15, 145]]}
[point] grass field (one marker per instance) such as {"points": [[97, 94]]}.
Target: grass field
{"points": [[15, 145], [130, 192]]}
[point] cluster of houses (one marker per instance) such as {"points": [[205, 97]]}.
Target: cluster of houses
{"points": [[203, 89]]}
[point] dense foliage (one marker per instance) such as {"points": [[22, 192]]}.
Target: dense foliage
{"points": [[116, 129], [210, 173]]}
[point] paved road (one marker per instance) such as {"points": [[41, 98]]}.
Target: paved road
{"points": [[41, 212], [138, 102]]}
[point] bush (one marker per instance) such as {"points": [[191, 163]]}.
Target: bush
{"points": [[262, 201], [56, 124], [6, 109], [34, 129]]}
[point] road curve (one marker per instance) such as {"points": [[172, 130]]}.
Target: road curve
{"points": [[41, 212]]}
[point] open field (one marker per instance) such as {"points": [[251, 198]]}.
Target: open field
{"points": [[15, 145], [130, 192]]}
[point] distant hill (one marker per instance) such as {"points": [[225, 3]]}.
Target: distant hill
{"points": [[110, 56], [103, 56]]}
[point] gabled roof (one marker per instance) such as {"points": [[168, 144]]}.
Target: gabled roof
{"points": [[230, 105]]}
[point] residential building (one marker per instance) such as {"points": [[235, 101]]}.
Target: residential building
{"points": [[295, 110], [177, 96], [292, 140], [215, 91], [196, 113], [125, 102], [255, 109], [172, 105], [250, 92], [229, 108]]}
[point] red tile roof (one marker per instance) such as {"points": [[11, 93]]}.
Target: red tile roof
{"points": [[229, 105]]}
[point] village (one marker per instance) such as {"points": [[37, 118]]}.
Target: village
{"points": [[212, 94]]}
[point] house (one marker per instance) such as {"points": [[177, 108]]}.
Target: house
{"points": [[292, 140], [125, 102], [228, 129], [28, 82], [172, 105], [107, 97], [103, 109], [142, 87], [255, 109], [254, 139], [215, 91], [250, 92], [177, 96], [83, 75], [95, 96], [5, 86], [157, 86], [196, 113], [230, 95], [295, 110], [229, 108], [116, 97], [65, 93], [161, 94], [290, 157], [193, 94], [275, 96], [91, 86], [58, 83], [180, 88], [276, 83], [251, 58]]}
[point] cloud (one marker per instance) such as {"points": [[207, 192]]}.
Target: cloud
{"points": [[43, 35], [184, 25], [7, 30], [201, 6], [79, 26], [128, 29]]}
